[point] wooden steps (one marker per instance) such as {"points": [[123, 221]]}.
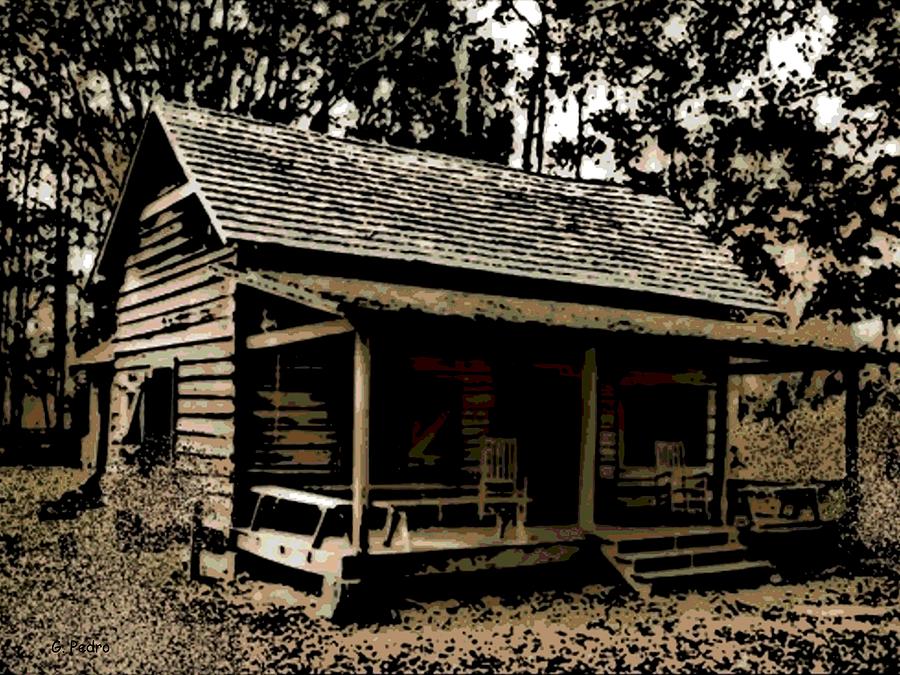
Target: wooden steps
{"points": [[651, 559], [705, 570]]}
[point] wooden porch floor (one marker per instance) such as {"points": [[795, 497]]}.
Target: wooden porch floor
{"points": [[614, 533], [458, 538]]}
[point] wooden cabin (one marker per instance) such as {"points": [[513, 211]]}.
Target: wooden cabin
{"points": [[292, 310]]}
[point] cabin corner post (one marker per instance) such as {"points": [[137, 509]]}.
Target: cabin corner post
{"points": [[242, 457], [851, 447], [587, 476], [95, 445], [362, 383]]}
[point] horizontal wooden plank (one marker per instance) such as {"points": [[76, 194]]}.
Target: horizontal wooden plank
{"points": [[217, 504], [162, 265], [289, 399], [166, 357], [298, 437], [187, 295], [168, 288], [293, 416], [200, 406], [204, 445], [214, 330], [304, 456], [151, 227], [212, 310], [167, 200], [207, 388], [217, 510], [181, 270], [201, 465], [154, 235], [166, 248], [205, 369], [205, 426], [294, 334]]}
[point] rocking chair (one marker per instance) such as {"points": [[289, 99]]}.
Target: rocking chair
{"points": [[688, 491], [498, 483]]}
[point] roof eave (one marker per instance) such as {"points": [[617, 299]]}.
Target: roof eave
{"points": [[189, 174]]}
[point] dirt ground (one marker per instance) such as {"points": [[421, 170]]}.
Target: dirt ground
{"points": [[72, 601]]}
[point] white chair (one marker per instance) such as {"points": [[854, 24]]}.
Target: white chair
{"points": [[688, 490], [498, 483]]}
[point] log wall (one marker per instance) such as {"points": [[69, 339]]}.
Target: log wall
{"points": [[173, 311], [300, 406]]}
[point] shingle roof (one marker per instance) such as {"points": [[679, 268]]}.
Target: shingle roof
{"points": [[276, 184]]}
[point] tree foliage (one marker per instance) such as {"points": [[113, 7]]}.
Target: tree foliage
{"points": [[774, 120]]}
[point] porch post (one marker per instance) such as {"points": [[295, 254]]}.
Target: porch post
{"points": [[90, 441], [362, 374], [719, 511], [587, 477], [851, 446]]}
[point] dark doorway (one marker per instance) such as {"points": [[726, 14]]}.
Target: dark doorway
{"points": [[668, 412], [153, 423], [548, 422]]}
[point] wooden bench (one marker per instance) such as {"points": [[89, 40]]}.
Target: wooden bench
{"points": [[397, 521], [797, 507]]}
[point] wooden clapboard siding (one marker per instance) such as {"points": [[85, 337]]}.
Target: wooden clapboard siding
{"points": [[218, 309], [187, 296], [162, 232], [289, 399], [301, 457], [204, 445], [217, 510], [466, 389], [213, 348], [711, 425], [297, 407], [299, 437], [202, 465], [186, 276], [205, 406], [210, 368], [209, 485], [161, 268], [608, 432], [205, 426], [218, 329], [175, 311], [212, 388], [171, 297], [162, 248]]}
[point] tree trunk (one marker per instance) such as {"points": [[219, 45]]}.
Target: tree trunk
{"points": [[541, 87], [321, 121], [22, 254], [5, 273], [528, 141], [579, 138], [16, 360], [60, 312]]}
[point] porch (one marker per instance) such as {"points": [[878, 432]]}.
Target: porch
{"points": [[390, 410]]}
